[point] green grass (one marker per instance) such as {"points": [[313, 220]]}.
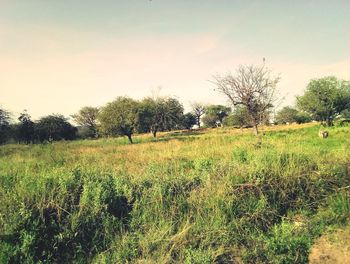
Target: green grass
{"points": [[202, 197]]}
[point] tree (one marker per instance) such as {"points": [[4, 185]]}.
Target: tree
{"points": [[4, 125], [119, 117], [290, 115], [159, 114], [25, 128], [87, 117], [286, 115], [215, 114], [54, 127], [302, 117], [189, 120], [239, 118], [198, 109], [251, 86], [325, 98], [345, 113]]}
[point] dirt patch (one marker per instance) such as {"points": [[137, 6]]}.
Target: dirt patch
{"points": [[332, 248]]}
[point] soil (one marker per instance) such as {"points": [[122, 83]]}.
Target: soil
{"points": [[332, 248]]}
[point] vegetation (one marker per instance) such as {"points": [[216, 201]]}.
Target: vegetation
{"points": [[325, 99], [291, 115], [87, 117], [252, 87], [119, 117], [25, 129], [160, 114], [239, 118], [186, 197], [189, 120], [4, 125], [192, 196], [54, 127], [215, 115], [198, 109]]}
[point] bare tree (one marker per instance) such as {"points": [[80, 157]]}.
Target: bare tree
{"points": [[251, 86], [198, 109]]}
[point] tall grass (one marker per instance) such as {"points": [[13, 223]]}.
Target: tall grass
{"points": [[212, 196]]}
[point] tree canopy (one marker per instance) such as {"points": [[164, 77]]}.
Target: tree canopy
{"points": [[25, 128], [239, 118], [119, 117], [87, 117], [325, 98], [289, 114], [251, 86], [215, 114], [4, 125], [54, 127], [159, 114], [189, 120]]}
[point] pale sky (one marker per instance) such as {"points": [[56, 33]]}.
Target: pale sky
{"points": [[58, 56]]}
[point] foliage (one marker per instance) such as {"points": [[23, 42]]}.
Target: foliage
{"points": [[192, 197], [4, 125], [54, 127], [215, 115], [302, 117], [345, 113], [25, 128], [87, 117], [189, 120], [239, 118], [159, 114], [325, 98], [119, 117], [251, 86], [286, 115]]}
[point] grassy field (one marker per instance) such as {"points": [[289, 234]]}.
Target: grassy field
{"points": [[217, 195]]}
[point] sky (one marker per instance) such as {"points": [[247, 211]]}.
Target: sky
{"points": [[58, 56]]}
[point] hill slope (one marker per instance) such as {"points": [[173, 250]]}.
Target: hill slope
{"points": [[198, 197]]}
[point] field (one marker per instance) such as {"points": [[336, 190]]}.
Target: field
{"points": [[217, 195]]}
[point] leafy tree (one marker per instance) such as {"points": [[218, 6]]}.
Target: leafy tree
{"points": [[345, 113], [25, 128], [146, 115], [119, 117], [198, 109], [215, 115], [172, 115], [54, 127], [159, 114], [239, 118], [302, 117], [189, 120], [87, 117], [4, 125], [210, 120], [325, 98], [287, 115], [252, 87], [290, 115]]}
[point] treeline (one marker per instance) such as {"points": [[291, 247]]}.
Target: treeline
{"points": [[325, 100], [122, 117]]}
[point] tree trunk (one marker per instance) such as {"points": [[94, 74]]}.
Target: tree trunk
{"points": [[154, 132], [329, 122], [129, 137], [255, 129]]}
